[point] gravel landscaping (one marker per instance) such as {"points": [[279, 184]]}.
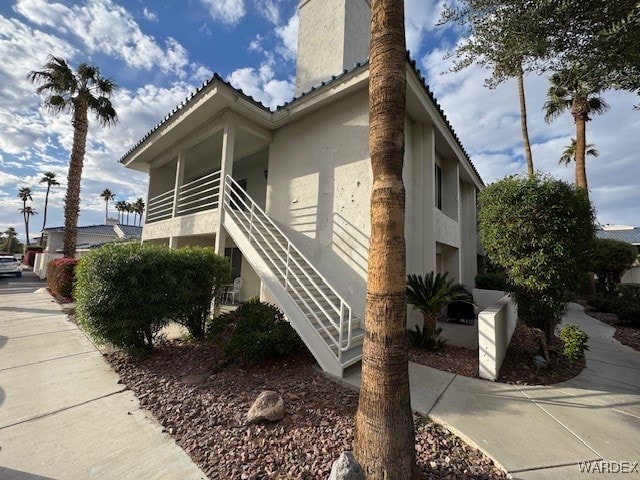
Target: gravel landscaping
{"points": [[205, 413]]}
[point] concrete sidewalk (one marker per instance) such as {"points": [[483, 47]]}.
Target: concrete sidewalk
{"points": [[63, 413], [545, 432]]}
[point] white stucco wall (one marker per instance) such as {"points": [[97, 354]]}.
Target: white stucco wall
{"points": [[196, 224], [318, 191], [496, 324], [55, 240], [631, 276], [332, 36]]}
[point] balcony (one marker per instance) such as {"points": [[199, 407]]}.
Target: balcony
{"points": [[199, 195]]}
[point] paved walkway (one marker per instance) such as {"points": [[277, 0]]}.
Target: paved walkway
{"points": [[545, 432], [63, 413]]}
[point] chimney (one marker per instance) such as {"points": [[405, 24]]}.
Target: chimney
{"points": [[333, 35]]}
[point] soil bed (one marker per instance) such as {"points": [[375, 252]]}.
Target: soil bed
{"points": [[205, 414], [517, 367]]}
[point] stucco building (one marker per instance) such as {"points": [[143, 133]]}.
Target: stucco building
{"points": [[285, 193]]}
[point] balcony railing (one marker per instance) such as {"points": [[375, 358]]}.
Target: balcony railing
{"points": [[196, 196]]}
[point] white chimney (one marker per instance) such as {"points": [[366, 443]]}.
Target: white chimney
{"points": [[333, 35]]}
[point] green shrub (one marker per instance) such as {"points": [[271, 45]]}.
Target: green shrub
{"points": [[609, 260], [575, 342], [629, 292], [259, 331], [61, 277], [122, 294], [492, 281], [628, 312], [539, 231], [601, 303], [202, 275], [423, 339]]}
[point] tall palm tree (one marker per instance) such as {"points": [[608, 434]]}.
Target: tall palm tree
{"points": [[27, 212], [121, 207], [431, 293], [50, 179], [139, 207], [107, 195], [11, 235], [568, 92], [25, 195], [129, 209], [76, 92], [384, 440]]}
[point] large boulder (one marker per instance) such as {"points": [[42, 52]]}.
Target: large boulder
{"points": [[346, 467], [268, 406]]}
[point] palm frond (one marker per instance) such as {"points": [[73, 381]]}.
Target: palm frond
{"points": [[432, 292]]}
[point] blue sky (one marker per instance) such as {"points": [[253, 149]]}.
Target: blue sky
{"points": [[157, 52]]}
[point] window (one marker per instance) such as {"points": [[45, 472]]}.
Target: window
{"points": [[438, 187]]}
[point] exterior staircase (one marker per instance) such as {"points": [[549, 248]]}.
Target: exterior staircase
{"points": [[322, 318]]}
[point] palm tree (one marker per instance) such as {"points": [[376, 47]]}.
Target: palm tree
{"points": [[569, 152], [11, 235], [121, 206], [568, 92], [431, 293], [139, 206], [77, 92], [107, 195], [50, 179], [128, 208], [384, 437], [27, 211], [25, 195]]}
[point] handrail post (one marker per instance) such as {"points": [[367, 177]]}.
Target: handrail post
{"points": [[286, 268]]}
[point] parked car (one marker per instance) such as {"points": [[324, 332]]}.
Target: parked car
{"points": [[10, 265]]}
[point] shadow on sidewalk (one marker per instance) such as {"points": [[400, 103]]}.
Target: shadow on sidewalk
{"points": [[10, 474]]}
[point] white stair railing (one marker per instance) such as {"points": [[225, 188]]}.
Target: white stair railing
{"points": [[306, 285]]}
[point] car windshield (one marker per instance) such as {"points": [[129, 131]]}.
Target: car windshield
{"points": [[7, 260]]}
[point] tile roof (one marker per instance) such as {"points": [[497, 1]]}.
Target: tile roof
{"points": [[130, 230], [88, 229], [629, 236], [216, 77]]}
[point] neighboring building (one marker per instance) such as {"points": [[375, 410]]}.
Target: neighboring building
{"points": [[307, 166], [88, 237], [624, 233]]}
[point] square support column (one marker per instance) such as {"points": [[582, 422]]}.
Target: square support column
{"points": [[226, 168], [179, 182]]}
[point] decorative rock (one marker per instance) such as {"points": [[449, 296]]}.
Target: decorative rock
{"points": [[346, 468], [268, 406]]}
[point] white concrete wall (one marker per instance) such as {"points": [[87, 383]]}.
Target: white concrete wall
{"points": [[631, 276], [496, 324], [196, 224], [55, 240], [332, 36], [319, 190]]}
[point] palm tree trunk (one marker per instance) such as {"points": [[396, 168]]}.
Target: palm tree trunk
{"points": [[44, 221], [430, 323], [72, 201], [580, 111], [523, 124], [26, 227], [24, 218], [106, 210], [384, 442]]}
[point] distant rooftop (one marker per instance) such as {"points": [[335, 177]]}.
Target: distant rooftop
{"points": [[628, 234], [118, 230]]}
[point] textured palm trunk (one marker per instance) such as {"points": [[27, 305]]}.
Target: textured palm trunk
{"points": [[523, 124], [44, 220], [24, 218], [430, 323], [384, 434], [580, 111], [72, 200]]}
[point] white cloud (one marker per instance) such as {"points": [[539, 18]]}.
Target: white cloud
{"points": [[149, 15], [256, 44], [269, 10], [262, 85], [226, 11], [288, 35], [108, 28], [420, 18]]}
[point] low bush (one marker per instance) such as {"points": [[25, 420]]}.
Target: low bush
{"points": [[629, 292], [492, 281], [30, 255], [601, 303], [628, 313], [257, 330], [61, 277], [575, 342], [126, 293], [625, 305], [421, 338]]}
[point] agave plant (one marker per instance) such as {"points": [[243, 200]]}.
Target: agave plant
{"points": [[432, 293]]}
